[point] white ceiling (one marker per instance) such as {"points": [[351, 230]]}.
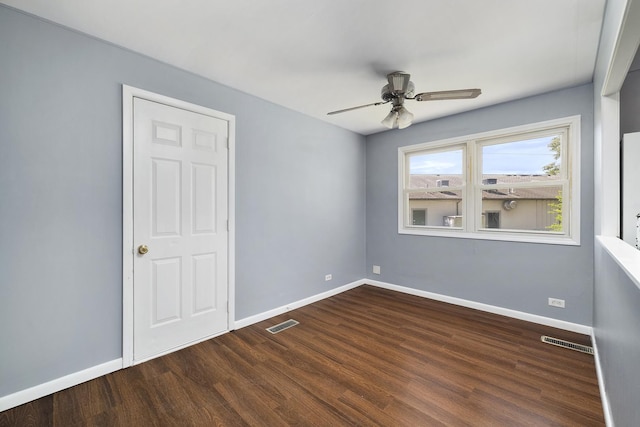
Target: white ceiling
{"points": [[324, 55]]}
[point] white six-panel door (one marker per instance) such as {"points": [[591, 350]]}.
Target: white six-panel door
{"points": [[180, 216]]}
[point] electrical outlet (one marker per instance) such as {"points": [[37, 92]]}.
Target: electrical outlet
{"points": [[327, 277], [376, 269], [556, 302]]}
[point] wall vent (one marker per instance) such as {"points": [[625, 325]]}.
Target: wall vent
{"points": [[282, 326], [567, 344]]}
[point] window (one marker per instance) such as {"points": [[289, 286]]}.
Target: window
{"points": [[518, 184], [492, 220], [419, 216]]}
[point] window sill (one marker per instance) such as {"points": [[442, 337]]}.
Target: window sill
{"points": [[497, 236]]}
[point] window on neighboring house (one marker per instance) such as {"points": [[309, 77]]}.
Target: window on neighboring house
{"points": [[419, 216], [492, 219], [519, 184]]}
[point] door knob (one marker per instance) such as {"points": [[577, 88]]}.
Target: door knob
{"points": [[143, 249]]}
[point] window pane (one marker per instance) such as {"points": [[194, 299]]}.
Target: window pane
{"points": [[444, 208], [492, 219], [418, 217], [529, 160], [441, 169], [532, 209]]}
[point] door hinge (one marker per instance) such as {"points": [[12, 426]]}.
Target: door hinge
{"points": [[228, 226]]}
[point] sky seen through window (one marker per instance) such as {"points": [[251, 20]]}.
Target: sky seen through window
{"points": [[526, 157]]}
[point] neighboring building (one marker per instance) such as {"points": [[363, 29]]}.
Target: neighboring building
{"points": [[515, 208]]}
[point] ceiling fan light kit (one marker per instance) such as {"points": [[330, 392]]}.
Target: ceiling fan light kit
{"points": [[398, 89], [398, 117], [405, 118]]}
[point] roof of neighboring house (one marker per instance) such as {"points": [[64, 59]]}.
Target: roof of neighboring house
{"points": [[440, 181]]}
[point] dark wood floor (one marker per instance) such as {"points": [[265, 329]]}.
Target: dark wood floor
{"points": [[365, 357]]}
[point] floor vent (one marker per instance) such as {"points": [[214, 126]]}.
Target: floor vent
{"points": [[567, 344], [282, 326]]}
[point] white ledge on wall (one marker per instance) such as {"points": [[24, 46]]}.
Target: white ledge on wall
{"points": [[627, 257]]}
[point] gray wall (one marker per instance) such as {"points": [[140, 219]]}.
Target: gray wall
{"points": [[630, 99], [630, 104], [518, 276], [299, 209], [616, 320]]}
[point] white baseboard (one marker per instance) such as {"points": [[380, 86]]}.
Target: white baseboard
{"points": [[606, 408], [301, 303], [45, 389], [534, 318]]}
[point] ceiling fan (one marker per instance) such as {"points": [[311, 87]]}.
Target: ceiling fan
{"points": [[400, 88]]}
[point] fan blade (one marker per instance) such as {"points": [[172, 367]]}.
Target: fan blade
{"points": [[398, 82], [355, 108], [448, 94]]}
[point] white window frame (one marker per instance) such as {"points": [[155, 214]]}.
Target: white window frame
{"points": [[472, 203]]}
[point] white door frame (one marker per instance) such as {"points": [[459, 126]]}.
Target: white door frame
{"points": [[128, 94]]}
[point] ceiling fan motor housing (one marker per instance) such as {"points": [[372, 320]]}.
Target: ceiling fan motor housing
{"points": [[388, 94]]}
